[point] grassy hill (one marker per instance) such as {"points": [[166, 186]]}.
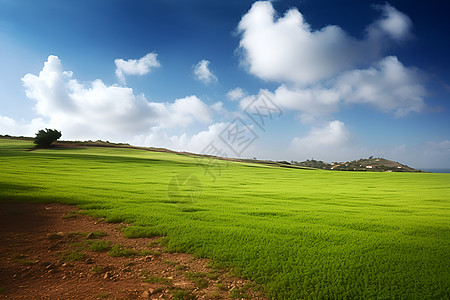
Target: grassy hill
{"points": [[299, 233], [364, 164]]}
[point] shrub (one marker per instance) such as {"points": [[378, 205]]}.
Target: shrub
{"points": [[45, 138]]}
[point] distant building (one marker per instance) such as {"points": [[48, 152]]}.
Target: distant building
{"points": [[369, 167]]}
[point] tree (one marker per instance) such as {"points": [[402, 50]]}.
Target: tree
{"points": [[44, 138]]}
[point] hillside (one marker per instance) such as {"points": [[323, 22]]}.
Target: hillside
{"points": [[290, 231], [370, 164]]}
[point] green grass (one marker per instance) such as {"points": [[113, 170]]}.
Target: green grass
{"points": [[99, 246], [178, 294], [199, 278], [71, 256], [148, 277], [23, 260], [120, 251], [299, 233], [97, 270]]}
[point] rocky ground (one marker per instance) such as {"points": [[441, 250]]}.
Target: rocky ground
{"points": [[51, 251]]}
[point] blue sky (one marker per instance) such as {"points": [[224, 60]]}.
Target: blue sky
{"points": [[345, 79]]}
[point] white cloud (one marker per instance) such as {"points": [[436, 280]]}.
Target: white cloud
{"points": [[203, 73], [236, 94], [394, 23], [140, 66], [333, 136], [201, 140], [20, 128], [287, 49], [158, 137], [388, 86], [438, 148], [97, 111], [184, 112], [313, 100], [7, 125]]}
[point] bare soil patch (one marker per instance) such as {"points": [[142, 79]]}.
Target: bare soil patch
{"points": [[51, 251]]}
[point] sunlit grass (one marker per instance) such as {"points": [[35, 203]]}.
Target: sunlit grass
{"points": [[300, 233]]}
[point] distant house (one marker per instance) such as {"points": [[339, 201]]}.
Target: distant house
{"points": [[369, 167], [399, 167]]}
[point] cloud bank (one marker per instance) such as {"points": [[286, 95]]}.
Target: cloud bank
{"points": [[94, 110], [388, 86]]}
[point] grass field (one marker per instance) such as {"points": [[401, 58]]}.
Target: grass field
{"points": [[299, 233]]}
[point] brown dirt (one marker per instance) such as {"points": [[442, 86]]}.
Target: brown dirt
{"points": [[36, 241]]}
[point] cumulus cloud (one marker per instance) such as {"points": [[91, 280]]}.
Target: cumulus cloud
{"points": [[7, 125], [236, 94], [183, 112], [94, 110], [315, 100], [333, 135], [388, 86], [203, 73], [287, 49], [395, 23], [140, 66], [197, 143]]}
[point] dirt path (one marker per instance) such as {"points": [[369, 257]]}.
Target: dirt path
{"points": [[51, 251]]}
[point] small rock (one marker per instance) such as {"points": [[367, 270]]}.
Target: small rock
{"points": [[55, 236], [126, 269], [145, 295], [89, 261], [150, 290], [48, 265]]}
